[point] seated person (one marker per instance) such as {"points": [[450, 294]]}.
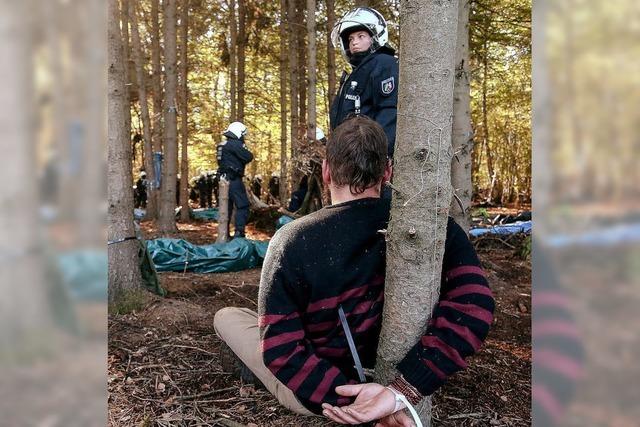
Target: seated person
{"points": [[334, 257]]}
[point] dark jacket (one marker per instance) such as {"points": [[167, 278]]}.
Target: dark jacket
{"points": [[377, 86], [233, 156]]}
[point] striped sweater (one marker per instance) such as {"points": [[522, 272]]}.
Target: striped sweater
{"points": [[336, 256]]}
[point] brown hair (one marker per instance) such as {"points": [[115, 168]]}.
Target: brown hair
{"points": [[357, 154]]}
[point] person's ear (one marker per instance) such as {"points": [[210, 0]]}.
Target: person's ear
{"points": [[326, 172], [388, 172]]}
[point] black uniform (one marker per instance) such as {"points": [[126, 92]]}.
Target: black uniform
{"points": [[274, 187], [141, 193], [203, 191], [297, 197], [233, 156], [256, 187], [376, 85]]}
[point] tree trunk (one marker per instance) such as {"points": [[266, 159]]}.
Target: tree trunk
{"points": [[331, 53], [242, 47], [302, 62], [142, 95], [417, 228], [233, 58], [184, 111], [124, 12], [283, 101], [24, 313], [153, 200], [293, 95], [462, 133], [485, 122], [124, 273], [223, 211], [167, 220], [311, 80]]}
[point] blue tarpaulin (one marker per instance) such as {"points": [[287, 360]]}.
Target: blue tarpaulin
{"points": [[208, 214], [516, 227], [180, 255]]}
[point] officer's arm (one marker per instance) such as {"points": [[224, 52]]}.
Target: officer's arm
{"points": [[244, 154], [385, 95]]}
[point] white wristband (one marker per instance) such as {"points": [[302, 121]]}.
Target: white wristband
{"points": [[402, 402]]}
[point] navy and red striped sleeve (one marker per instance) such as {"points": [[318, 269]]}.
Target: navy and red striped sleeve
{"points": [[286, 351], [460, 321]]}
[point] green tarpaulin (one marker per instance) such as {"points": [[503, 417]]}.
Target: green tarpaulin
{"points": [[180, 255], [209, 214]]}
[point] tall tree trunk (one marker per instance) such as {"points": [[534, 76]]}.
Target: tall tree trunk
{"points": [[331, 53], [283, 101], [462, 133], [124, 12], [293, 92], [302, 62], [153, 200], [124, 272], [142, 94], [223, 211], [166, 220], [184, 111], [242, 47], [418, 224], [311, 80], [233, 59], [485, 122], [24, 315]]}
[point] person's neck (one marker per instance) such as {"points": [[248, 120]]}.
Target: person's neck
{"points": [[343, 194]]}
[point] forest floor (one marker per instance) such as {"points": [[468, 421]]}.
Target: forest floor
{"points": [[164, 369]]}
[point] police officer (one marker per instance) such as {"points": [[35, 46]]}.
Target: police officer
{"points": [[233, 156], [256, 186], [141, 191], [372, 87], [274, 187], [203, 190]]}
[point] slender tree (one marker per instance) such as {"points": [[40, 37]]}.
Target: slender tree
{"points": [[224, 214], [233, 58], [124, 22], [331, 53], [156, 138], [311, 66], [417, 228], [124, 273], [166, 220], [302, 64], [462, 133], [293, 88], [242, 57], [142, 98], [184, 111], [283, 100]]}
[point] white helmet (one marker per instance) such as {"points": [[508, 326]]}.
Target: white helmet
{"points": [[319, 134], [275, 174], [238, 129], [143, 174], [360, 18]]}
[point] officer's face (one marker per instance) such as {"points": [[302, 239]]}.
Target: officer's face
{"points": [[359, 41]]}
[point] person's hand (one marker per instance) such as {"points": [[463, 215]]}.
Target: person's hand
{"points": [[397, 419], [373, 402]]}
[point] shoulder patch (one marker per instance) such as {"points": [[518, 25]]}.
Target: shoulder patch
{"points": [[387, 86]]}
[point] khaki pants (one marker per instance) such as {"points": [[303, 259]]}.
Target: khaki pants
{"points": [[238, 327]]}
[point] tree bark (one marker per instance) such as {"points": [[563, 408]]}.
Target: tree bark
{"points": [[283, 101], [167, 220], [124, 273], [417, 229], [142, 95], [311, 80], [462, 133], [302, 62], [293, 91], [223, 211], [233, 58], [153, 201], [331, 53], [184, 111], [124, 12], [24, 311], [242, 47]]}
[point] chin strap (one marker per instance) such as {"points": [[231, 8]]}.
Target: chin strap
{"points": [[402, 402]]}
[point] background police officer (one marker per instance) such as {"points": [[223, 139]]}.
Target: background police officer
{"points": [[372, 87], [233, 156]]}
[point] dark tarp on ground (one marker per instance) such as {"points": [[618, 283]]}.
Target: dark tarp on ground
{"points": [[236, 255], [208, 214]]}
